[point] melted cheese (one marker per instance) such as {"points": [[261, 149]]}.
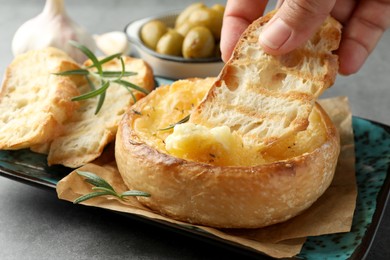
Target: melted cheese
{"points": [[198, 143], [217, 146]]}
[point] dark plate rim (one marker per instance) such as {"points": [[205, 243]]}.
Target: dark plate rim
{"points": [[382, 200]]}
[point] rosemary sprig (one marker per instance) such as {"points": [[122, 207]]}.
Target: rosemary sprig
{"points": [[103, 188], [185, 119], [106, 59], [104, 77]]}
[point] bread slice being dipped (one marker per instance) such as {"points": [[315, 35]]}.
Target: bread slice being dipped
{"points": [[221, 170]]}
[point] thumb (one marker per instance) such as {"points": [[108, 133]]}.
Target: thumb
{"points": [[293, 24]]}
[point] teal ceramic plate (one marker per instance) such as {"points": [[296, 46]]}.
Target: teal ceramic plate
{"points": [[372, 144]]}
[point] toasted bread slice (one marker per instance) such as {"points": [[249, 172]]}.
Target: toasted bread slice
{"points": [[34, 103], [263, 97], [86, 134]]}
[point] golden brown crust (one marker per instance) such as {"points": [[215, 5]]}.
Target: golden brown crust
{"points": [[34, 103], [273, 95], [86, 134], [225, 196], [267, 100]]}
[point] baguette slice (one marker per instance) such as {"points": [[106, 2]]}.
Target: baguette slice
{"points": [[86, 134], [34, 103], [265, 98]]}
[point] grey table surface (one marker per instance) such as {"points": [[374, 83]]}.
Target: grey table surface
{"points": [[34, 224]]}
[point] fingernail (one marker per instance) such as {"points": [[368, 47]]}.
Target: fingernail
{"points": [[275, 34]]}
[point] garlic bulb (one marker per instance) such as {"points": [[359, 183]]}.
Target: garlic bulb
{"points": [[53, 27], [112, 42]]}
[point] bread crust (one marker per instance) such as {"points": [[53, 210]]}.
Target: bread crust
{"points": [[265, 100], [34, 103], [224, 196], [265, 97], [86, 134]]}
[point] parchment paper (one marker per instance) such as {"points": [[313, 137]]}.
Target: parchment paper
{"points": [[331, 213]]}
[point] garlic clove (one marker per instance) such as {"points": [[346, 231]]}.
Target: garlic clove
{"points": [[53, 27], [112, 42]]}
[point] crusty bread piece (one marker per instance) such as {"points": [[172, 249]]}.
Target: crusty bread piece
{"points": [[86, 134], [290, 145], [34, 103], [287, 180], [265, 98]]}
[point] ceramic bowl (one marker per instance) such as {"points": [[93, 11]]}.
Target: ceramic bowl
{"points": [[165, 65]]}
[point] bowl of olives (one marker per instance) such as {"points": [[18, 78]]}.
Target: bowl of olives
{"points": [[180, 44]]}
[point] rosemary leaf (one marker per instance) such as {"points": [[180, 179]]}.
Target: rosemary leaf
{"points": [[102, 97], [89, 54], [93, 93], [90, 83], [107, 59], [132, 96], [95, 180], [185, 119], [72, 72], [109, 191], [105, 77], [131, 85], [123, 66], [136, 112], [90, 196], [120, 74], [134, 193], [103, 188]]}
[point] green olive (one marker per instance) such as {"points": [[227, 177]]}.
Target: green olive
{"points": [[184, 28], [151, 33], [183, 16], [202, 17], [219, 8], [198, 43], [170, 43], [217, 19]]}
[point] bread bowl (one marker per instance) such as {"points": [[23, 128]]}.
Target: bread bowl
{"points": [[293, 175], [257, 149]]}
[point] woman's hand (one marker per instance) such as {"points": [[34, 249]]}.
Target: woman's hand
{"points": [[295, 22]]}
